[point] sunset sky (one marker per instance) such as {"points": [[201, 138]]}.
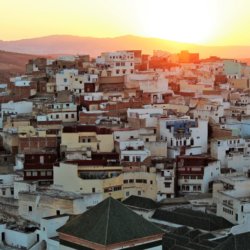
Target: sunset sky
{"points": [[217, 22]]}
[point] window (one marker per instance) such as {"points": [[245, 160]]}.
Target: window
{"points": [[126, 158], [12, 191], [30, 208], [57, 116], [125, 181], [93, 190], [139, 192], [192, 142], [127, 193], [3, 191], [34, 173], [66, 116], [138, 158], [41, 159], [167, 184], [57, 212], [43, 173], [89, 140], [65, 80], [49, 173], [28, 173], [147, 140], [151, 182], [117, 137], [72, 115], [131, 181], [117, 188]]}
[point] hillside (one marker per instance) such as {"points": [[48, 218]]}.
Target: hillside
{"points": [[65, 44], [12, 64]]}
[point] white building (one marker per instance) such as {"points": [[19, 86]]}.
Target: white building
{"points": [[65, 112], [232, 196], [65, 78], [148, 82], [14, 108], [33, 206], [196, 173], [183, 135], [229, 151], [133, 150], [70, 79], [117, 63]]}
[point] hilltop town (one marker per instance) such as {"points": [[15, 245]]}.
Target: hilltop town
{"points": [[92, 143]]}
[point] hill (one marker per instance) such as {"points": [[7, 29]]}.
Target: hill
{"points": [[12, 64], [66, 44]]}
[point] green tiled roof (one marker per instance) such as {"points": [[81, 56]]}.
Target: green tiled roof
{"points": [[140, 202], [109, 222], [236, 242]]}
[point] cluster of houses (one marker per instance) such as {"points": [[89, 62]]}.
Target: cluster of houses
{"points": [[166, 135]]}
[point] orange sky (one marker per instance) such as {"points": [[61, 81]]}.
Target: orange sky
{"points": [[217, 22]]}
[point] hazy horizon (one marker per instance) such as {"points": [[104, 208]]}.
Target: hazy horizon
{"points": [[206, 22]]}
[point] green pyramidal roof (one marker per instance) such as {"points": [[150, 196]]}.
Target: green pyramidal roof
{"points": [[109, 222]]}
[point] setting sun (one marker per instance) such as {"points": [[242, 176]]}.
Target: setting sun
{"points": [[180, 21]]}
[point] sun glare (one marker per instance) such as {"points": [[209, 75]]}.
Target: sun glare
{"points": [[184, 21]]}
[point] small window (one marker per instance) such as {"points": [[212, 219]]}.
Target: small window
{"points": [[58, 212], [127, 194], [28, 173], [72, 115], [30, 208], [43, 173], [93, 190], [49, 173], [139, 192], [167, 184]]}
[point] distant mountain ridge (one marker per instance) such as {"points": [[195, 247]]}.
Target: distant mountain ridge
{"points": [[68, 44]]}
